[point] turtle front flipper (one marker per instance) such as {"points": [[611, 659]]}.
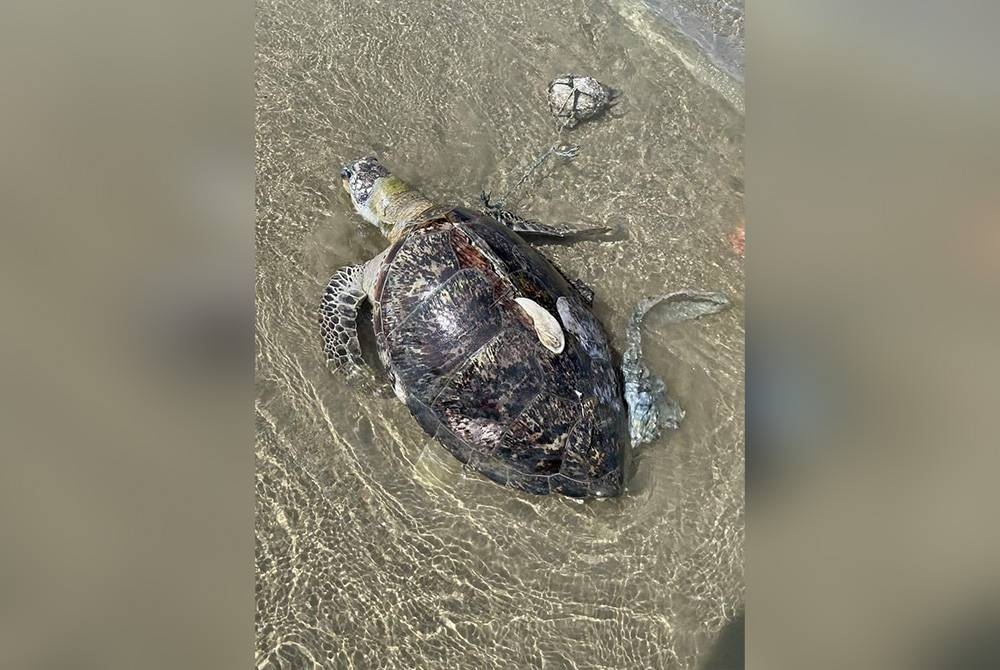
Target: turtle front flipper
{"points": [[338, 319], [649, 407], [525, 226]]}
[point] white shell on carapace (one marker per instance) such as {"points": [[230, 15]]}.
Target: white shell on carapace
{"points": [[550, 333]]}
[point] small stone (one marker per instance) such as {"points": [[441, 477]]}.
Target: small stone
{"points": [[574, 98]]}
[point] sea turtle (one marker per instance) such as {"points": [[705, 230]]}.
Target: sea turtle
{"points": [[496, 354]]}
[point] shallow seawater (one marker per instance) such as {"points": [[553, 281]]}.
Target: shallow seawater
{"points": [[374, 548], [716, 27]]}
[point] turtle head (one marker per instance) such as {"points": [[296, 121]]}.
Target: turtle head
{"points": [[382, 198], [358, 179]]}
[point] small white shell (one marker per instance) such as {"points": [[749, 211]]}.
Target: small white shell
{"points": [[550, 333]]}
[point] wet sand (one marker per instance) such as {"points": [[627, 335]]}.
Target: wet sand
{"points": [[374, 549]]}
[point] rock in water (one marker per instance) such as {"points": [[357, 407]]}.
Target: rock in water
{"points": [[574, 98]]}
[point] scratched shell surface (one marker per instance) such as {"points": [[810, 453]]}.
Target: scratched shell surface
{"points": [[374, 549]]}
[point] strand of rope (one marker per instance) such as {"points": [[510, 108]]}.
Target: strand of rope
{"points": [[567, 151]]}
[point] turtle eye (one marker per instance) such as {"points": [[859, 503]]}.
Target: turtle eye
{"points": [[345, 173]]}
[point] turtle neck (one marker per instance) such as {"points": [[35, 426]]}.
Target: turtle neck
{"points": [[396, 205]]}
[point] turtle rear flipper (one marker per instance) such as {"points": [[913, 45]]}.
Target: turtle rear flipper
{"points": [[650, 409], [338, 320]]}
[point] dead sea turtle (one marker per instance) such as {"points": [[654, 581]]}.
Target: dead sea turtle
{"points": [[493, 350]]}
